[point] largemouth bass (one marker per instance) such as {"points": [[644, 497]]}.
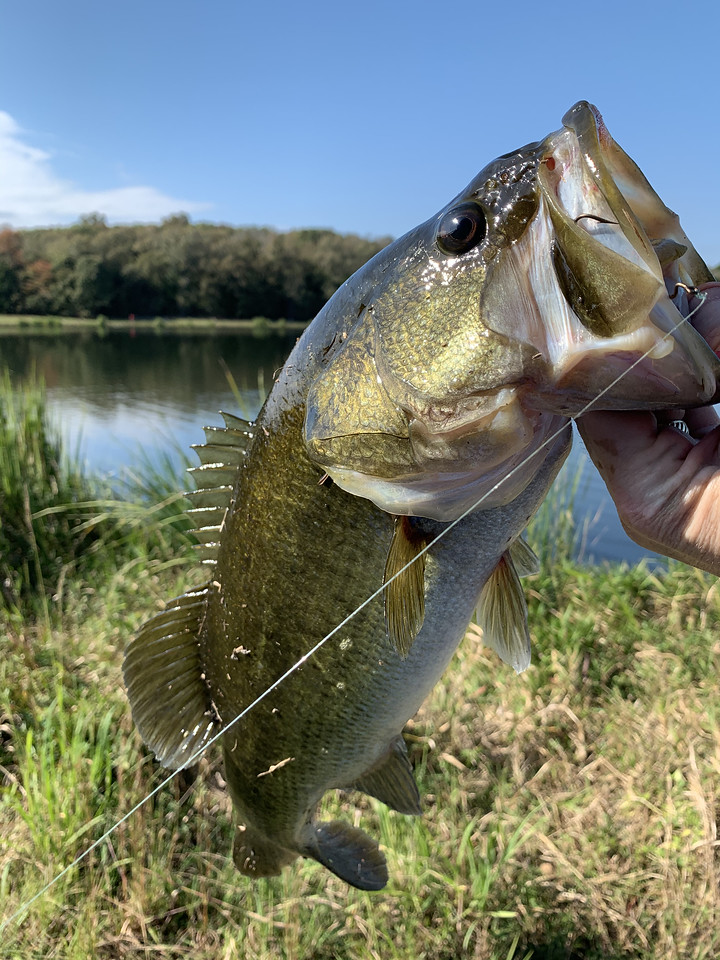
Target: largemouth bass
{"points": [[435, 386]]}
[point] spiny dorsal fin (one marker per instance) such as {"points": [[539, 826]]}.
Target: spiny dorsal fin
{"points": [[170, 701], [214, 475], [502, 615], [220, 453], [224, 450], [524, 558], [232, 422], [405, 595], [392, 781]]}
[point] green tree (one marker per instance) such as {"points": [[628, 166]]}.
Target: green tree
{"points": [[11, 272], [176, 268]]}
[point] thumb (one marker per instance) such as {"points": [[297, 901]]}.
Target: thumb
{"points": [[612, 438], [640, 465]]}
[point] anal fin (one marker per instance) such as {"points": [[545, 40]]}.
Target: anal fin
{"points": [[392, 781], [405, 591], [524, 558], [502, 615], [163, 673], [349, 853]]}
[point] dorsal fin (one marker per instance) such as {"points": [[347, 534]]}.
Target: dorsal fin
{"points": [[219, 453], [502, 615], [170, 701], [232, 422], [224, 450], [405, 595]]}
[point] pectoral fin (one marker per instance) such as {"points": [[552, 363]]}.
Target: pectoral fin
{"points": [[405, 591], [502, 615], [392, 781], [349, 853]]}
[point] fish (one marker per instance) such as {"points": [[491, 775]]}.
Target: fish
{"points": [[379, 500]]}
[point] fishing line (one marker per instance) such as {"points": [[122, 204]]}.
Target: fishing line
{"points": [[310, 653]]}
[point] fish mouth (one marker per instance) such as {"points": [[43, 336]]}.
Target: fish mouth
{"points": [[607, 265]]}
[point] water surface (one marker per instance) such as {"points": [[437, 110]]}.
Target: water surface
{"points": [[119, 398]]}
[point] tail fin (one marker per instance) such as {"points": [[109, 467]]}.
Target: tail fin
{"points": [[349, 853]]}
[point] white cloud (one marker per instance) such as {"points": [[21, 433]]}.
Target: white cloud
{"points": [[32, 195]]}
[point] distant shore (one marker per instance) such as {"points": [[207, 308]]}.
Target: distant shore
{"points": [[261, 326]]}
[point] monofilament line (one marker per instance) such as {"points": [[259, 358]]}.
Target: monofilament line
{"points": [[310, 653]]}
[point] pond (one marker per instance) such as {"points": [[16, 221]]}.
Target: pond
{"points": [[119, 398]]}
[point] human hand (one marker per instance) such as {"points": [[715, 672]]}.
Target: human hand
{"points": [[666, 484]]}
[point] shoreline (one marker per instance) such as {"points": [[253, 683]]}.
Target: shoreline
{"points": [[261, 326]]}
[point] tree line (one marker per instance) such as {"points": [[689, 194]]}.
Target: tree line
{"points": [[175, 269]]}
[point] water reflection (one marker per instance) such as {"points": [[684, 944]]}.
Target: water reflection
{"points": [[117, 398]]}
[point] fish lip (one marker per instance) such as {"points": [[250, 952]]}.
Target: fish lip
{"points": [[598, 183], [647, 225], [578, 177], [645, 219]]}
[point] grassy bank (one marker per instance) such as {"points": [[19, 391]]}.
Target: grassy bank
{"points": [[569, 813]]}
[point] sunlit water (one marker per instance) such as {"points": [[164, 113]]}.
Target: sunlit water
{"points": [[119, 400]]}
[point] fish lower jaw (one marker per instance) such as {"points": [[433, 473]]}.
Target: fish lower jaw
{"points": [[640, 344], [645, 369], [612, 361]]}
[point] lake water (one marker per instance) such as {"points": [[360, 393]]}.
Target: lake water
{"points": [[119, 398]]}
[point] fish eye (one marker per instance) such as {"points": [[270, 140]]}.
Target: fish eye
{"points": [[461, 229]]}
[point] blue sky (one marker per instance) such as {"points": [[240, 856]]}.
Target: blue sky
{"points": [[363, 117]]}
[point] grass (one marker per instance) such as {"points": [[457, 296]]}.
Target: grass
{"points": [[570, 813], [57, 526]]}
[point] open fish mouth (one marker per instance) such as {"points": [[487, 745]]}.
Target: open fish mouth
{"points": [[608, 268], [556, 281]]}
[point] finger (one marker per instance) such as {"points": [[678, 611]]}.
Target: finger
{"points": [[706, 453], [634, 458], [611, 435], [701, 421]]}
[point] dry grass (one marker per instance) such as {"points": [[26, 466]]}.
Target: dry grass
{"points": [[570, 812]]}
